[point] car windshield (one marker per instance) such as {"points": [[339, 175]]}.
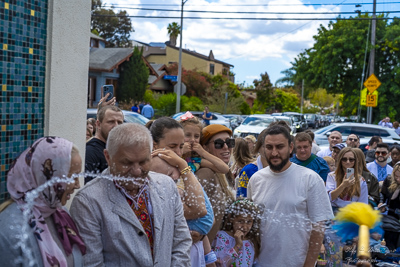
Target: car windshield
{"points": [[322, 130], [135, 119], [310, 116], [257, 121], [295, 118], [288, 121]]}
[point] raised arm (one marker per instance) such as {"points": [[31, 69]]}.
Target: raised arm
{"points": [[193, 198], [210, 161]]}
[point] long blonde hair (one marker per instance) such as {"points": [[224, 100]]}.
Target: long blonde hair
{"points": [[354, 190], [393, 183]]}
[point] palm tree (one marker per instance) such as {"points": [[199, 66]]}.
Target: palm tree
{"points": [[174, 29]]}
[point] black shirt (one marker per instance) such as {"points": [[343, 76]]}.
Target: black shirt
{"points": [[95, 161]]}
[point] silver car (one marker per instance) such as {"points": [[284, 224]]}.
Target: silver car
{"points": [[360, 129]]}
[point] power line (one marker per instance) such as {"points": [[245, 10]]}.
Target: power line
{"points": [[251, 12], [219, 18], [260, 5]]}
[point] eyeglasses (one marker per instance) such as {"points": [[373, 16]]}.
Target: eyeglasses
{"points": [[383, 153], [219, 143], [353, 139], [351, 160]]}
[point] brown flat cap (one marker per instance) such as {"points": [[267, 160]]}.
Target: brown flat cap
{"points": [[211, 130]]}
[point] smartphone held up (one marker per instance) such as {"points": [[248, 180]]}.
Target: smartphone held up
{"points": [[349, 173], [108, 89]]}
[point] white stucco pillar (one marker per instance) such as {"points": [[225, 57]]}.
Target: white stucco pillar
{"points": [[67, 66]]}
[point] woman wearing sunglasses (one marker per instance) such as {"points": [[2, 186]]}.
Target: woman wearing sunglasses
{"points": [[346, 184], [216, 140]]}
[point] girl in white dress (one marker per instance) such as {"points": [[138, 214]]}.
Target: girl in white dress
{"points": [[238, 243]]}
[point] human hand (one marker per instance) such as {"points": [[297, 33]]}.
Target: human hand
{"points": [[196, 236], [196, 147], [187, 147], [103, 101], [239, 236], [170, 157], [348, 181]]}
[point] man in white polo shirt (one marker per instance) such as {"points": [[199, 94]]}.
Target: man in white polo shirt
{"points": [[333, 139]]}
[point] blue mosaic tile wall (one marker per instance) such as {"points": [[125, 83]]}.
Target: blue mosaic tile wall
{"points": [[23, 31]]}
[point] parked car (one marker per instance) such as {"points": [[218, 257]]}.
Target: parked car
{"points": [[234, 119], [299, 120], [313, 120], [216, 118], [360, 129], [129, 116], [255, 124]]}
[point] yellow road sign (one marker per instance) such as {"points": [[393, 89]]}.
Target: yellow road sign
{"points": [[372, 83], [372, 99], [363, 97]]}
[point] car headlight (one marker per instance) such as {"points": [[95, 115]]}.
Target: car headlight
{"points": [[297, 126]]}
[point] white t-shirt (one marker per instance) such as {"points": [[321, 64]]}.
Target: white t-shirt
{"points": [[292, 200], [324, 152]]}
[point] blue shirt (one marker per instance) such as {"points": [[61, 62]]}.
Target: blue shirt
{"points": [[318, 165], [148, 111], [207, 121], [244, 178]]}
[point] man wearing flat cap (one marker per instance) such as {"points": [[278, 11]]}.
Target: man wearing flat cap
{"points": [[216, 139]]}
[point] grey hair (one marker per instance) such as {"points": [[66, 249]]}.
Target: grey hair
{"points": [[128, 134]]}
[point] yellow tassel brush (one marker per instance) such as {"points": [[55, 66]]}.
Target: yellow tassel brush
{"points": [[363, 215]]}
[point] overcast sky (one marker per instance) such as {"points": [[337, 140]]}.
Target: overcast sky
{"points": [[252, 46]]}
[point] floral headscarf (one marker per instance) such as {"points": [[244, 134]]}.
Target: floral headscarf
{"points": [[48, 157]]}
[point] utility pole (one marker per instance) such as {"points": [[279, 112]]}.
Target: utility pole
{"points": [[302, 96], [372, 56], [179, 89]]}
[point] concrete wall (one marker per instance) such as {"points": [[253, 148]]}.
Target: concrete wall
{"points": [[67, 66]]}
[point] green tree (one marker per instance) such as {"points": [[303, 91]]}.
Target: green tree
{"points": [[115, 28], [286, 100], [336, 60], [174, 29], [133, 79], [265, 94]]}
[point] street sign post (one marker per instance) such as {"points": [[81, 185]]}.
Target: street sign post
{"points": [[372, 99], [372, 83], [173, 78]]}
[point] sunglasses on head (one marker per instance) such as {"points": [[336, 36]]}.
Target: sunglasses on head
{"points": [[351, 160], [219, 143], [383, 153]]}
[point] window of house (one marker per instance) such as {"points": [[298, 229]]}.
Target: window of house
{"points": [[212, 69]]}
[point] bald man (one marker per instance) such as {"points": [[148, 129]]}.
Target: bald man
{"points": [[333, 139]]}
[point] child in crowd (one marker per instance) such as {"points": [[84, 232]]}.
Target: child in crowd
{"points": [[331, 163], [238, 243], [193, 152]]}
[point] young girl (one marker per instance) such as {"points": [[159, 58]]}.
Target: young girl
{"points": [[193, 152], [238, 243]]}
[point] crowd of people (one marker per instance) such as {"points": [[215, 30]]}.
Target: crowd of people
{"points": [[181, 193]]}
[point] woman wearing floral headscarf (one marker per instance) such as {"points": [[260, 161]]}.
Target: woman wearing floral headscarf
{"points": [[52, 238]]}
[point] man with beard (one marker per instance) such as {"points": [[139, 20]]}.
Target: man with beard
{"points": [[295, 205], [137, 218], [379, 166], [334, 138], [107, 118], [353, 141]]}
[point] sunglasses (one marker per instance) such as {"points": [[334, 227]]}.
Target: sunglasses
{"points": [[219, 143], [351, 160], [353, 139], [383, 153]]}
